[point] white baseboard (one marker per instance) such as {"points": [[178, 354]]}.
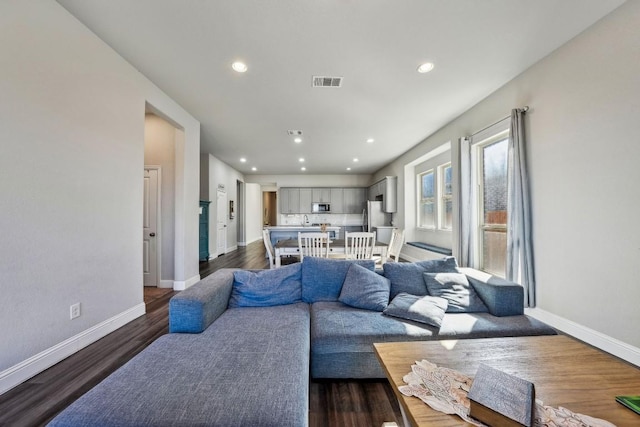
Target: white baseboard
{"points": [[242, 243], [181, 285], [597, 339], [231, 249], [26, 369], [168, 284]]}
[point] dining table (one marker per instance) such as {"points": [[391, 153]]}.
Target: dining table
{"points": [[289, 247]]}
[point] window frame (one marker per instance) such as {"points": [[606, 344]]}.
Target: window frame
{"points": [[421, 200], [443, 198], [481, 226]]}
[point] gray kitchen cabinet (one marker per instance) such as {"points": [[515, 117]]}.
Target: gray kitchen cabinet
{"points": [[321, 195], [295, 200], [337, 201], [289, 200], [354, 200], [305, 201], [375, 190], [385, 191]]}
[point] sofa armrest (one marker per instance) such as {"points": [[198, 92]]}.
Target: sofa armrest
{"points": [[194, 309], [502, 297]]}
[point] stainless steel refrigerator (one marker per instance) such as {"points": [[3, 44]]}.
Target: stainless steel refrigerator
{"points": [[373, 216]]}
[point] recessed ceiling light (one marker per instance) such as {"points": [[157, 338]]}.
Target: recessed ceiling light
{"points": [[348, 169], [301, 159], [303, 168], [297, 140], [426, 67], [238, 66], [242, 159], [370, 140], [254, 168], [355, 160]]}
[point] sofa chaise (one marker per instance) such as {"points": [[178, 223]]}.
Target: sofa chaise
{"points": [[243, 344]]}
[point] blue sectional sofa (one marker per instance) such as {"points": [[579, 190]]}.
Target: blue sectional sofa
{"points": [[244, 344]]}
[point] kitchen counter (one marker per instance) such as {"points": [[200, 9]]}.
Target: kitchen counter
{"points": [[309, 228], [284, 232]]}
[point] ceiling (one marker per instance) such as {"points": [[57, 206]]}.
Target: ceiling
{"points": [[187, 47]]}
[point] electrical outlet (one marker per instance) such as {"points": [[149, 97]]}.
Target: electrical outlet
{"points": [[74, 310]]}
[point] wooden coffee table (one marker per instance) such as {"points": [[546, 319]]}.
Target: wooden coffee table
{"points": [[565, 372]]}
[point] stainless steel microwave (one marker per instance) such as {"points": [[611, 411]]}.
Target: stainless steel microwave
{"points": [[320, 207]]}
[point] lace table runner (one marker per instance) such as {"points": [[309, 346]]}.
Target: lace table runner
{"points": [[445, 390]]}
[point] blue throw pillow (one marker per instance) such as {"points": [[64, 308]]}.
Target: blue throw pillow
{"points": [[267, 288], [365, 289], [455, 288], [322, 278], [423, 309], [407, 276]]}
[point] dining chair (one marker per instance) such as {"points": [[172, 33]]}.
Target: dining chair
{"points": [[359, 245], [393, 250], [269, 247], [313, 244]]}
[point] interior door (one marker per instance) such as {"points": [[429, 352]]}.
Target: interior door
{"points": [[221, 222], [150, 228]]}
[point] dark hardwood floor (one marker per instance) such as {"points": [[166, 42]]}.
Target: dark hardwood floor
{"points": [[36, 401]]}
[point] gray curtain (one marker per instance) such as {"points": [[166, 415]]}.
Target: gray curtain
{"points": [[519, 243], [466, 236]]}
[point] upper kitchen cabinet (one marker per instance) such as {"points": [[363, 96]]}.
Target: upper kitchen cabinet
{"points": [[337, 201], [386, 192], [354, 200], [290, 200], [321, 195], [295, 200], [305, 201]]}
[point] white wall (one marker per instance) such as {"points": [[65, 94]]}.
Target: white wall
{"points": [[583, 154], [253, 208], [72, 143]]}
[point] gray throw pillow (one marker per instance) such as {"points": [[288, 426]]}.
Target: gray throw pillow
{"points": [[322, 278], [423, 309], [267, 288], [407, 276], [455, 288], [363, 288]]}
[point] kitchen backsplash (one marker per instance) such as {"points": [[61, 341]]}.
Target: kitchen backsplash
{"points": [[333, 219]]}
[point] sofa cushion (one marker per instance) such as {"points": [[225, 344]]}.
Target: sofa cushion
{"points": [[322, 278], [455, 288], [342, 336], [249, 368], [365, 289], [407, 276], [423, 309], [266, 288]]}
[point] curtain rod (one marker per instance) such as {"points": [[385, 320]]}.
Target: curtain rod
{"points": [[524, 110]]}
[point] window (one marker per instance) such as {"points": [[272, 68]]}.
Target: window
{"points": [[445, 207], [492, 204], [435, 203], [427, 205]]}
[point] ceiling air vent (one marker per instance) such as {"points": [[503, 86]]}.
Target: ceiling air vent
{"points": [[324, 81]]}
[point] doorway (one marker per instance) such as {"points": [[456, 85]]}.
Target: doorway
{"points": [[241, 231], [150, 221], [160, 142], [221, 222], [269, 208]]}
